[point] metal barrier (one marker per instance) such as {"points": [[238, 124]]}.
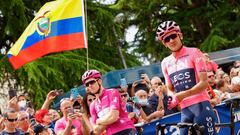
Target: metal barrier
{"points": [[193, 128], [233, 103]]}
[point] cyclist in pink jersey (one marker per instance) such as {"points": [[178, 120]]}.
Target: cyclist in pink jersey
{"points": [[186, 78], [108, 110]]}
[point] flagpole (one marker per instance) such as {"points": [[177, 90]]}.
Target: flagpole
{"points": [[86, 31]]}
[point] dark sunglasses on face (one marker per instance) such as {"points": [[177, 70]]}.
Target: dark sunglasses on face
{"points": [[168, 38], [90, 82], [90, 100], [210, 76], [12, 120], [124, 95]]}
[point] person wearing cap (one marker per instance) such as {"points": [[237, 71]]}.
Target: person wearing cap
{"points": [[108, 110], [185, 75]]}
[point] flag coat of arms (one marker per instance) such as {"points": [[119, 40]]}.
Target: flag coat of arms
{"points": [[58, 26]]}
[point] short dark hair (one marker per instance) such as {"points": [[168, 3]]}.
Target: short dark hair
{"points": [[21, 95]]}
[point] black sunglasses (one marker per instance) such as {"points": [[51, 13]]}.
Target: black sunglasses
{"points": [[168, 38], [90, 100], [90, 82], [210, 76], [124, 95], [12, 120]]}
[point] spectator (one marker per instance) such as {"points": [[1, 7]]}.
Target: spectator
{"points": [[22, 102], [43, 117], [55, 115], [219, 74], [235, 84], [237, 64], [210, 65], [135, 112], [89, 98], [13, 104], [142, 98], [72, 122], [143, 84], [223, 90], [24, 122], [211, 79], [10, 122], [41, 130], [233, 72], [160, 92], [226, 79], [214, 98]]}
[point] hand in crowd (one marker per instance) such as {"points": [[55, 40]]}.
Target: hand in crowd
{"points": [[51, 95], [71, 117], [145, 78], [159, 92], [13, 103], [30, 110], [135, 83], [80, 99]]}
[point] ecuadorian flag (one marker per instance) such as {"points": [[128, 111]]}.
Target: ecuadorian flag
{"points": [[58, 26]]}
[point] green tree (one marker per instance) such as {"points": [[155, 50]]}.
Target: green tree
{"points": [[210, 25]]}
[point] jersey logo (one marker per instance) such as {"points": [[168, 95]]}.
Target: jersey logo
{"points": [[183, 79], [103, 112]]}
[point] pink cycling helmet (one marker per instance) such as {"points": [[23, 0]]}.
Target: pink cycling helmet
{"points": [[166, 27], [91, 74]]}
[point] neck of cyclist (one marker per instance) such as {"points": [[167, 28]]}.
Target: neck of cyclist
{"points": [[99, 91], [180, 48]]}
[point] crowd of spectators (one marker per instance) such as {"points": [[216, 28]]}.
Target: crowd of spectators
{"points": [[146, 100]]}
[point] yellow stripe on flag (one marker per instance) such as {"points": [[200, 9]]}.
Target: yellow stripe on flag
{"points": [[59, 10]]}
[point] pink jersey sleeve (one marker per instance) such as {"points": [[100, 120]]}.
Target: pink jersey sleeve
{"points": [[165, 73], [59, 126], [93, 112], [114, 98], [199, 61], [214, 65]]}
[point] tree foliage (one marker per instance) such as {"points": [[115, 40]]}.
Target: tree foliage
{"points": [[209, 25]]}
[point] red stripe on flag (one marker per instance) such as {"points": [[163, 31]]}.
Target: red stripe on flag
{"points": [[46, 46]]}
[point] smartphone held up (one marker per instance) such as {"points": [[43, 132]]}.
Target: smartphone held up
{"points": [[74, 93], [123, 83]]}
